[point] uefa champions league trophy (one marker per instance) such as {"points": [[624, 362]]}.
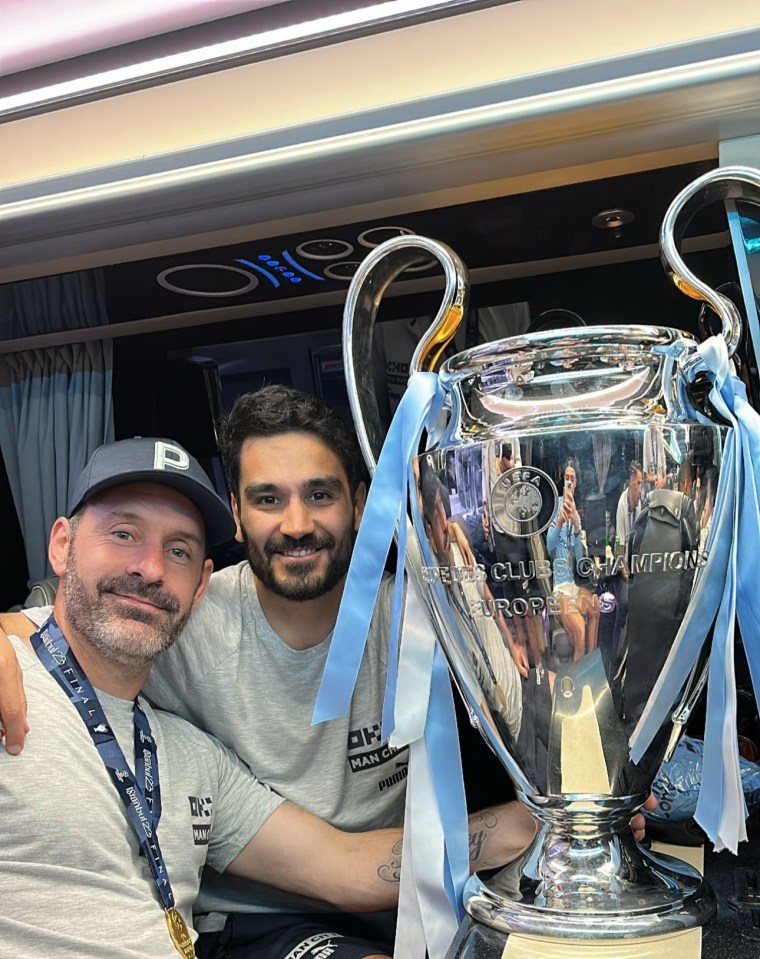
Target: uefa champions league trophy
{"points": [[556, 646]]}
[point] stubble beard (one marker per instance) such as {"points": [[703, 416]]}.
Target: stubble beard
{"points": [[304, 582], [110, 630]]}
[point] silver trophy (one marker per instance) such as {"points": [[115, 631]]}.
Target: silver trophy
{"points": [[565, 514]]}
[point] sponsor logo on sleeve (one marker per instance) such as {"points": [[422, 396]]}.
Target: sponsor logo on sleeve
{"points": [[201, 808]]}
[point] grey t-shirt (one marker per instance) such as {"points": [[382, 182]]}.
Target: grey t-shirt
{"points": [[231, 674], [74, 884]]}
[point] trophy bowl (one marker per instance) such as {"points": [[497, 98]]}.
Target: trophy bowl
{"points": [[561, 524]]}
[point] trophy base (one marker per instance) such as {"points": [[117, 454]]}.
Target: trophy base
{"points": [[476, 941], [592, 888]]}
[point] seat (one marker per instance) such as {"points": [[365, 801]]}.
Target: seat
{"points": [[41, 593]]}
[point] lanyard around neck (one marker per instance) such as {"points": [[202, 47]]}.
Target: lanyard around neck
{"points": [[140, 791]]}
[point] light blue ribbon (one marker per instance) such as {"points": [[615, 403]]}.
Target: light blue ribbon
{"points": [[415, 670], [436, 851], [726, 586], [384, 514], [446, 767], [742, 268]]}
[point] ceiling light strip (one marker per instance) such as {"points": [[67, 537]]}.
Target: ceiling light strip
{"points": [[470, 121], [225, 54]]}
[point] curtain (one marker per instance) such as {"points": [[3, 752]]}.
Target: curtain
{"points": [[55, 403]]}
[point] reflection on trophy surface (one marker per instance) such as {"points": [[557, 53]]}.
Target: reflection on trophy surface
{"points": [[492, 659], [537, 623], [565, 514]]}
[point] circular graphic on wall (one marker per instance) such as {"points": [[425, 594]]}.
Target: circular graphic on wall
{"points": [[342, 271], [251, 281], [325, 249]]}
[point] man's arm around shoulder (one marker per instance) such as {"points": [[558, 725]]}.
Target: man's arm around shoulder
{"points": [[12, 697]]}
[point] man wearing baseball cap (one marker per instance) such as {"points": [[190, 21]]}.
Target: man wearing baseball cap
{"points": [[108, 819]]}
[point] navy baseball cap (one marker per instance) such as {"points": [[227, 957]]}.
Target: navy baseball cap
{"points": [[151, 460]]}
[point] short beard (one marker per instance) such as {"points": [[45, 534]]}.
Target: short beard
{"points": [[106, 629], [302, 584]]}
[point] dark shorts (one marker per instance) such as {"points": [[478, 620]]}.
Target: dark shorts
{"points": [[301, 936]]}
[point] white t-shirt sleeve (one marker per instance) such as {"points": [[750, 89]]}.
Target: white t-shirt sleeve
{"points": [[39, 615]]}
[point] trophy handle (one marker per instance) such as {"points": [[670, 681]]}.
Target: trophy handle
{"points": [[375, 273], [723, 183]]}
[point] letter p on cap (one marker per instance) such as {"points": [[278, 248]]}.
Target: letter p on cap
{"points": [[168, 455]]}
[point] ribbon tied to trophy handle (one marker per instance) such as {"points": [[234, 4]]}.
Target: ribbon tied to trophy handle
{"points": [[724, 592]]}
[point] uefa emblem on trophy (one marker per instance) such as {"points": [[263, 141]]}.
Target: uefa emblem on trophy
{"points": [[564, 516]]}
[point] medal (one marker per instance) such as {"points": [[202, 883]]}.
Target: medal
{"points": [[180, 934]]}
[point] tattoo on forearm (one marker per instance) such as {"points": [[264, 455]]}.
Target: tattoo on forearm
{"points": [[477, 840], [391, 871], [481, 825]]}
